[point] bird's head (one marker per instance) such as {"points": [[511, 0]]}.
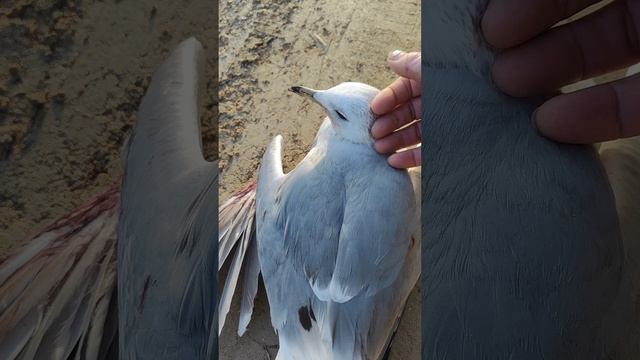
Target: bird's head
{"points": [[347, 106]]}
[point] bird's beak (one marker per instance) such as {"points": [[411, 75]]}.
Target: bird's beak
{"points": [[303, 91]]}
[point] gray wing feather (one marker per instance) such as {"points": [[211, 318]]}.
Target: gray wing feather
{"points": [[345, 220], [234, 216], [167, 249], [232, 280], [383, 232], [249, 284]]}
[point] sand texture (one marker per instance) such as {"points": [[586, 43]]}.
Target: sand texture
{"points": [[77, 71]]}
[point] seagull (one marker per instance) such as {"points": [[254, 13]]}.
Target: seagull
{"points": [[337, 238], [530, 247]]}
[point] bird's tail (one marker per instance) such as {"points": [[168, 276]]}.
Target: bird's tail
{"points": [[236, 220], [57, 292]]}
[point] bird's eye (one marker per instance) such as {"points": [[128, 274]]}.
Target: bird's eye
{"points": [[341, 116]]}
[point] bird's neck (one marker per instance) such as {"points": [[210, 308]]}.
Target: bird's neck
{"points": [[329, 147], [450, 89]]}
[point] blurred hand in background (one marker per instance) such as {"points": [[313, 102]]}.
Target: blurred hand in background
{"points": [[538, 60]]}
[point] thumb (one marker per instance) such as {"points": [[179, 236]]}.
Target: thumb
{"points": [[407, 65]]}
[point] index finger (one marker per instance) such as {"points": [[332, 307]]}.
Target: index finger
{"points": [[399, 92], [604, 41], [507, 23]]}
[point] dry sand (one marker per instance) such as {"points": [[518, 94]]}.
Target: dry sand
{"points": [[76, 73], [265, 48]]}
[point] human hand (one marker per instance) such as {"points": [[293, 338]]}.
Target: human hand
{"points": [[539, 60], [398, 105]]}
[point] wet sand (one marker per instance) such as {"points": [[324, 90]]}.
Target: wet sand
{"points": [[264, 49], [77, 71]]}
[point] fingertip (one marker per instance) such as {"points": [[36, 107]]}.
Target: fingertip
{"points": [[395, 55], [383, 102], [534, 119], [544, 120], [405, 159], [543, 125], [504, 74], [380, 148], [376, 130], [488, 26], [582, 117], [407, 65], [375, 104], [395, 161], [493, 25], [382, 126]]}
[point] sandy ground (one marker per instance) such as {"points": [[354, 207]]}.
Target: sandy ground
{"points": [[266, 47], [76, 73]]}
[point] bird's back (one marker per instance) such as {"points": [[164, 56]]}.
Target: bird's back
{"points": [[522, 254], [322, 302]]}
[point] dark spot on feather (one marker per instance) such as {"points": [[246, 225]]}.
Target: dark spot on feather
{"points": [[143, 296], [305, 320]]}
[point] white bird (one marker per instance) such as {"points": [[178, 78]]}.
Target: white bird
{"points": [[338, 237]]}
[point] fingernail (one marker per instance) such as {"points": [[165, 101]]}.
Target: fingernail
{"points": [[393, 161], [376, 146], [374, 130], [395, 54], [534, 119]]}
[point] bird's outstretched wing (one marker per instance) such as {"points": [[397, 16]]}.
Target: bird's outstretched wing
{"points": [[57, 293], [237, 230], [167, 248], [63, 280], [621, 160]]}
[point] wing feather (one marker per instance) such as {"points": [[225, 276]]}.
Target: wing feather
{"points": [[53, 290], [382, 232], [237, 233], [250, 284], [167, 247]]}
